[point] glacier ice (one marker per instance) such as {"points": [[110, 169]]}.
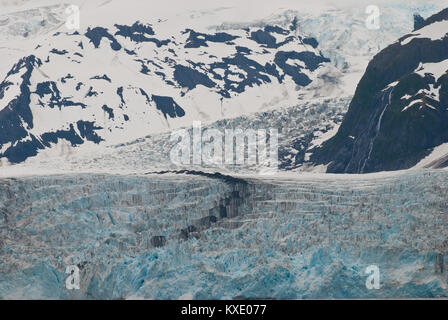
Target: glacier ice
{"points": [[164, 236]]}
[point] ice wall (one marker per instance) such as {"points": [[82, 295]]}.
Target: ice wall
{"points": [[171, 236]]}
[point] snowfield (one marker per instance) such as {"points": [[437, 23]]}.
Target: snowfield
{"points": [[142, 68]]}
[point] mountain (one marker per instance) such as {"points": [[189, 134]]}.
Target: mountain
{"points": [[119, 83], [399, 113], [133, 70]]}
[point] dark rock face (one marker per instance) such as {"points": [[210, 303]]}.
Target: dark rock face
{"points": [[98, 33], [109, 111], [418, 21], [17, 119], [379, 132], [190, 78], [311, 41], [50, 88], [311, 60], [442, 15], [139, 33], [197, 39], [168, 106], [266, 38], [256, 73]]}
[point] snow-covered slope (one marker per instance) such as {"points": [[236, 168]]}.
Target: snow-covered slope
{"points": [[118, 83], [135, 69]]}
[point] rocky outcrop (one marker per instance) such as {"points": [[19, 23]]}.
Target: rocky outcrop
{"points": [[399, 113]]}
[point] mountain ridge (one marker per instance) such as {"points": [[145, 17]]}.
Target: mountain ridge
{"points": [[143, 94], [385, 133]]}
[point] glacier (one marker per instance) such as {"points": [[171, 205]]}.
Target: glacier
{"points": [[211, 236], [136, 225]]}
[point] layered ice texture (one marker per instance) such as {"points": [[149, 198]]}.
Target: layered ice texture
{"points": [[204, 236]]}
